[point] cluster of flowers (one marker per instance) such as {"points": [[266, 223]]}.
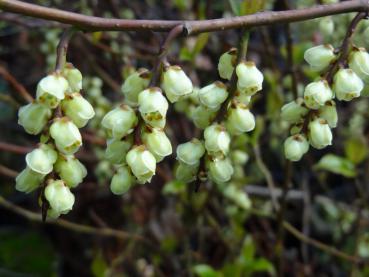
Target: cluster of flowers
{"points": [[217, 136], [57, 93], [314, 115]]}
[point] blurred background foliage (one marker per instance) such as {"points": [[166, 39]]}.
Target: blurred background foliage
{"points": [[215, 231]]}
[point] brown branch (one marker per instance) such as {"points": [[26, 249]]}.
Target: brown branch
{"points": [[4, 146], [164, 48], [91, 23], [61, 51], [5, 171], [79, 228], [345, 47], [15, 84]]}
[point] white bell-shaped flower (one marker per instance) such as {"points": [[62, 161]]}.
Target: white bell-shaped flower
{"points": [[294, 111], [134, 84], [250, 79], [226, 64], [221, 170], [359, 63], [153, 107], [116, 150], [51, 89], [295, 147], [59, 196], [157, 143], [239, 119], [186, 173], [142, 163], [320, 135], [213, 95], [122, 181], [33, 117], [70, 170], [190, 152], [347, 85], [42, 159], [176, 84], [28, 180], [74, 77], [78, 109], [203, 116], [217, 139], [120, 121], [317, 93], [329, 113], [66, 135], [319, 57]]}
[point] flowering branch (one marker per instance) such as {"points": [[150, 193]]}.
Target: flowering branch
{"points": [[92, 23]]}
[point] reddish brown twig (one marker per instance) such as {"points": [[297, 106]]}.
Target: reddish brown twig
{"points": [[15, 84]]}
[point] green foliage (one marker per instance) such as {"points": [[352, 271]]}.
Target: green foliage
{"points": [[337, 165]]}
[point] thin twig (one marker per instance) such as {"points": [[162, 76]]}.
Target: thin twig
{"points": [[6, 171], [15, 84], [61, 51], [164, 48], [92, 23], [79, 228]]}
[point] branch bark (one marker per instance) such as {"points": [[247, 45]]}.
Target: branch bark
{"points": [[92, 23]]}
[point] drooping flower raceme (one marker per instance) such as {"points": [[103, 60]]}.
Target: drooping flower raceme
{"points": [[61, 138]]}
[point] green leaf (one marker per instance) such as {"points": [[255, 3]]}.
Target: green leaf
{"points": [[262, 265], [251, 6], [337, 165], [235, 6], [248, 249], [26, 253], [98, 266], [201, 42], [203, 270], [356, 149], [174, 187]]}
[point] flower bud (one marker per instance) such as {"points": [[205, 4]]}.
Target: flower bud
{"points": [[221, 170], [42, 159], [66, 135], [319, 57], [227, 62], [70, 170], [213, 95], [122, 181], [175, 83], [33, 117], [186, 173], [216, 139], [250, 79], [239, 157], [347, 85], [329, 113], [51, 89], [294, 111], [74, 77], [326, 26], [190, 152], [142, 163], [359, 63], [78, 109], [317, 93], [153, 107], [59, 196], [120, 121], [203, 116], [295, 147], [134, 84], [157, 143], [320, 134], [239, 119], [28, 180], [116, 150]]}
